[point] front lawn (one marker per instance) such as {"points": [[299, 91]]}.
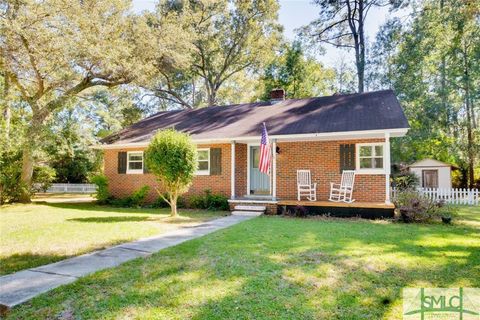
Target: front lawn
{"points": [[36, 234], [278, 268]]}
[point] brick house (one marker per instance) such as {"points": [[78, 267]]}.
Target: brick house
{"points": [[325, 135]]}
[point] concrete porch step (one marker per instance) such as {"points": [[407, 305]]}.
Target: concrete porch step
{"points": [[247, 213], [250, 208]]}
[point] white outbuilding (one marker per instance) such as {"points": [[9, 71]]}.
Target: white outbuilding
{"points": [[433, 173]]}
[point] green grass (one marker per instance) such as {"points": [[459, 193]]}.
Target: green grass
{"points": [[278, 268], [37, 234]]}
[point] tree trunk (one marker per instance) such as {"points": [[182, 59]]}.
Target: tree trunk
{"points": [[361, 44], [193, 93], [29, 146], [7, 113], [27, 173], [463, 176], [173, 205], [470, 138], [8, 119], [358, 66], [443, 91], [361, 80], [443, 82], [212, 97], [470, 152], [361, 74]]}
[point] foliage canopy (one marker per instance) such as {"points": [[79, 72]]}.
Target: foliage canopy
{"points": [[172, 157]]}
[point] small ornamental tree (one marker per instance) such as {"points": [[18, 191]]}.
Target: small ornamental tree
{"points": [[172, 157]]}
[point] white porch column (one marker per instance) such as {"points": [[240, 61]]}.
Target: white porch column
{"points": [[387, 167], [274, 169], [232, 174]]}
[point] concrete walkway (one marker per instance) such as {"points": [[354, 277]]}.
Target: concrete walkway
{"points": [[24, 285]]}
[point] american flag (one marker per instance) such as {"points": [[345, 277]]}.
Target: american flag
{"points": [[265, 152]]}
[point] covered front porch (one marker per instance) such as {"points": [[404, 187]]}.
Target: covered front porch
{"points": [[323, 157]]}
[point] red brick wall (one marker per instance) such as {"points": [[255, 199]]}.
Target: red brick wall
{"points": [[122, 185], [321, 157], [240, 170], [216, 183]]}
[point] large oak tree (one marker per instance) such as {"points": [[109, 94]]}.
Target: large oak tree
{"points": [[54, 50], [228, 37]]}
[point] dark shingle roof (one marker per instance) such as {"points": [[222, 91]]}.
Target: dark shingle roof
{"points": [[337, 113]]}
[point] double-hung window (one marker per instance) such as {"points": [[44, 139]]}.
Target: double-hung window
{"points": [[203, 165], [370, 157], [135, 162]]}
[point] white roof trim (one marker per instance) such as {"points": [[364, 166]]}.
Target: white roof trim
{"points": [[429, 162], [345, 135]]}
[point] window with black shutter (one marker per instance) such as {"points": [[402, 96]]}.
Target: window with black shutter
{"points": [[347, 157], [215, 161], [122, 162]]}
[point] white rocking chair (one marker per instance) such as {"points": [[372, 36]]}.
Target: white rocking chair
{"points": [[344, 190], [305, 186]]}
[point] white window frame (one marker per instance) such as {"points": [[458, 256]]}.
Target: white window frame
{"points": [[135, 171], [370, 170], [204, 172]]}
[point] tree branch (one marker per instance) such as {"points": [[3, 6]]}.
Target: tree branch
{"points": [[33, 63], [336, 37], [330, 27], [176, 98], [338, 45], [23, 91]]}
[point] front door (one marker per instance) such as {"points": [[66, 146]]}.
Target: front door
{"points": [[259, 182], [430, 178]]}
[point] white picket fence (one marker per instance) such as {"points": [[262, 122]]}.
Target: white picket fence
{"points": [[452, 195], [72, 188]]}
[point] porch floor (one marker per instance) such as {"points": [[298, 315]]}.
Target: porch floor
{"points": [[355, 204]]}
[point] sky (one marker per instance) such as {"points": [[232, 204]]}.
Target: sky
{"points": [[297, 13]]}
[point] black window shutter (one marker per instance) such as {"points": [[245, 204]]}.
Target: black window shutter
{"points": [[145, 169], [215, 161], [347, 157], [122, 162]]}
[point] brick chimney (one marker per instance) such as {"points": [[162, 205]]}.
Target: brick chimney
{"points": [[277, 94]]}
